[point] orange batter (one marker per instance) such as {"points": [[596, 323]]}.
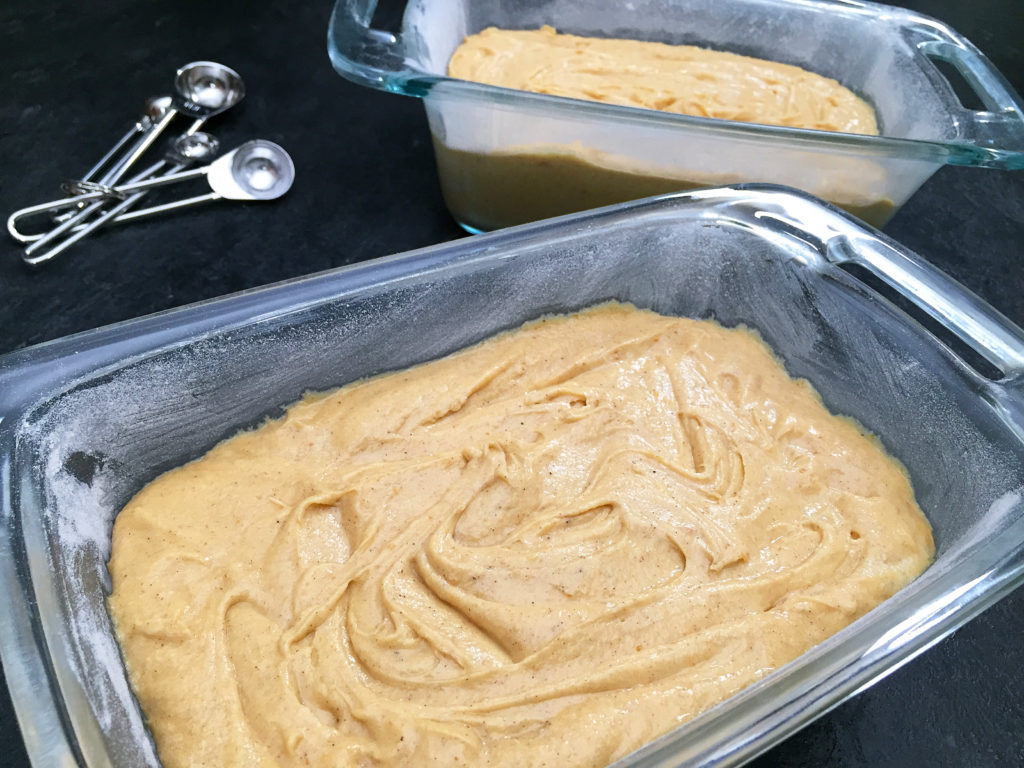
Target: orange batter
{"points": [[547, 549], [671, 78]]}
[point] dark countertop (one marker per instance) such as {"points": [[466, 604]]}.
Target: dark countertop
{"points": [[75, 76]]}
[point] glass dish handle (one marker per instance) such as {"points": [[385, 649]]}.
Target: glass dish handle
{"points": [[1001, 124], [369, 56], [978, 325]]}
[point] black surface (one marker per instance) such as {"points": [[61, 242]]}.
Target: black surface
{"points": [[74, 76]]}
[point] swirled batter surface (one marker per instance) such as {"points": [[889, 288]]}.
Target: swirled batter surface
{"points": [[547, 549], [673, 78]]}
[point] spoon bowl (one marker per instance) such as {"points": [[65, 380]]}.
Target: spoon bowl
{"points": [[156, 107], [198, 147], [206, 88], [256, 170]]}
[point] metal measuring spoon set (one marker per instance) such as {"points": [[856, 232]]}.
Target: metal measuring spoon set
{"points": [[255, 170]]}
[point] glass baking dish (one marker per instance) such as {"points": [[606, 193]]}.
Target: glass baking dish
{"points": [[505, 157], [937, 374]]}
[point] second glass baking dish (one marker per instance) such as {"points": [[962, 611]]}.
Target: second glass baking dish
{"points": [[86, 421], [505, 157]]}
